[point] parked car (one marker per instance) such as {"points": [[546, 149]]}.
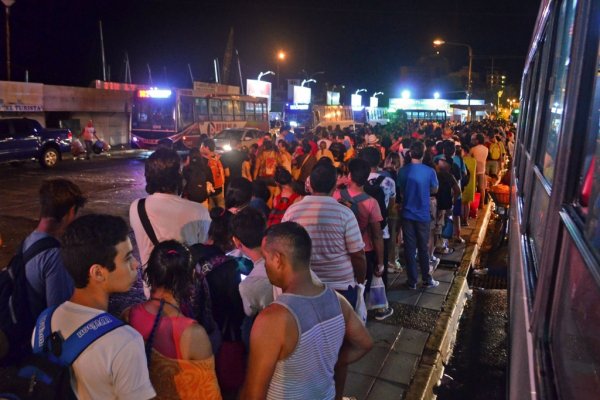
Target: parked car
{"points": [[25, 139], [247, 136]]}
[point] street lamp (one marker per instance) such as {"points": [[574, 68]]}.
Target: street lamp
{"points": [[436, 95], [280, 58], [377, 94], [405, 94], [264, 74], [360, 90], [439, 42], [7, 4], [307, 81]]}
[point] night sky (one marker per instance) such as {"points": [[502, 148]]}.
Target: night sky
{"points": [[356, 42]]}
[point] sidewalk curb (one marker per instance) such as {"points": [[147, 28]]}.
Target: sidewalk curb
{"points": [[440, 344]]}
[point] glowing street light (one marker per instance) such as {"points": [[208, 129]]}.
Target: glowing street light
{"points": [[377, 94], [360, 90], [406, 94], [436, 95], [264, 74], [307, 81], [280, 57], [440, 42]]}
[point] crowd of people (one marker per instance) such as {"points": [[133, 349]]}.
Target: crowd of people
{"points": [[251, 260]]}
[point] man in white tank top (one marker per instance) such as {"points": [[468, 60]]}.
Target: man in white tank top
{"points": [[301, 344]]}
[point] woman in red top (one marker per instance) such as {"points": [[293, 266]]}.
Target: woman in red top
{"points": [[181, 359], [285, 198]]}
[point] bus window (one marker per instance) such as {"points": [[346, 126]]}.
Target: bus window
{"points": [[589, 197], [238, 110], [227, 110], [215, 109], [260, 112], [186, 112], [555, 104], [575, 343], [250, 111], [201, 109]]}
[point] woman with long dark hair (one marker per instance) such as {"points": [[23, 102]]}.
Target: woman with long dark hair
{"points": [[179, 352]]}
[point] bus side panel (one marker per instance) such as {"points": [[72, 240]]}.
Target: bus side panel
{"points": [[521, 380]]}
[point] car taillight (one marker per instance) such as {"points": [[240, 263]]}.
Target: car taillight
{"points": [[69, 135]]}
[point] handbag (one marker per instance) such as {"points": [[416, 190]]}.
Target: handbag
{"points": [[448, 228], [361, 306], [377, 297]]}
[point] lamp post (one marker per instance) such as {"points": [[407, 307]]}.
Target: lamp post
{"points": [[377, 94], [280, 58], [360, 90], [307, 81], [7, 4], [439, 42], [264, 74]]}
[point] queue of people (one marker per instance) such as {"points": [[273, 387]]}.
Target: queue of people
{"points": [[251, 261]]}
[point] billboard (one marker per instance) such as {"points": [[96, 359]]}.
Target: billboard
{"points": [[301, 95], [333, 98], [356, 101], [373, 102], [259, 89]]}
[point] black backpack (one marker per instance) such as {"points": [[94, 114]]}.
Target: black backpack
{"points": [[16, 320], [373, 188]]}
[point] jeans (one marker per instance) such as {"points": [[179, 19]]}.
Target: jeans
{"points": [[416, 236]]}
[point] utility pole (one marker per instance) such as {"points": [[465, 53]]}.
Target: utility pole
{"points": [[7, 4], [102, 50]]}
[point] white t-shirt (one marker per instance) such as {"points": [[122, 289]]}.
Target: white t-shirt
{"points": [[113, 367], [171, 217], [479, 153]]}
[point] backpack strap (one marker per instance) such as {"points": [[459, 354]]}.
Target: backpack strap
{"points": [[359, 198], [79, 340], [141, 207], [36, 248]]}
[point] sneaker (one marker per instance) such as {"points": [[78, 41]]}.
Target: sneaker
{"points": [[433, 263], [411, 287], [458, 240], [431, 284], [383, 313]]}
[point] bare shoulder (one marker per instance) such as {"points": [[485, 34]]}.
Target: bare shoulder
{"points": [[194, 343]]}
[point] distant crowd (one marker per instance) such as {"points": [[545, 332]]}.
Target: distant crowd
{"points": [[253, 261]]}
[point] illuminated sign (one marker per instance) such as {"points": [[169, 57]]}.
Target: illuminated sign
{"points": [[302, 95], [373, 102], [333, 98], [356, 101], [155, 93], [298, 107], [259, 89]]}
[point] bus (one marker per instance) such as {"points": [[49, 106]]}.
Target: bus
{"points": [[305, 117], [178, 117], [427, 115], [554, 225]]}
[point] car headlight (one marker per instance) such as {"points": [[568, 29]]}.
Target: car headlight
{"points": [[227, 148]]}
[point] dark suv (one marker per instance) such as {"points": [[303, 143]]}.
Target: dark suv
{"points": [[25, 139]]}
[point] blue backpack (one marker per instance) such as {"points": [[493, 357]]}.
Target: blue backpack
{"points": [[45, 375]]}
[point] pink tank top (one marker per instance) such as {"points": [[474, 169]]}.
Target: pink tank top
{"points": [[169, 331]]}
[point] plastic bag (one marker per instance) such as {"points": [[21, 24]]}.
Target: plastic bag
{"points": [[377, 297], [448, 228], [361, 306]]}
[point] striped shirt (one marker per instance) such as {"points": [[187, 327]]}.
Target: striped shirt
{"points": [[334, 232], [307, 373]]}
